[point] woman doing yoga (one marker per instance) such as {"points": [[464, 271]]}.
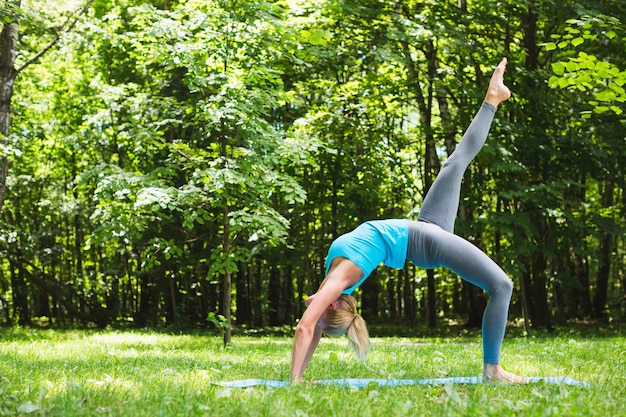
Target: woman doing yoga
{"points": [[429, 242]]}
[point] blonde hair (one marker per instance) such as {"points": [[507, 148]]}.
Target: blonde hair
{"points": [[345, 319]]}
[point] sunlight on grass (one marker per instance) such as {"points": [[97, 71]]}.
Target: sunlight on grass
{"points": [[128, 339], [75, 373]]}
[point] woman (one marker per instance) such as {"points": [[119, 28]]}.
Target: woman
{"points": [[428, 242]]}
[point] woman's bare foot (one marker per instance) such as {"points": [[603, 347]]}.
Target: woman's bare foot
{"points": [[495, 373], [497, 91]]}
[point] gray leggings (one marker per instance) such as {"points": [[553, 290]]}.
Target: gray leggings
{"points": [[432, 242]]}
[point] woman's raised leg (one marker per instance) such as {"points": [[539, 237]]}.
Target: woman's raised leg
{"points": [[442, 200], [440, 207]]}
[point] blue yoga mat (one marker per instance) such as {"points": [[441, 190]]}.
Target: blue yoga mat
{"points": [[363, 382]]}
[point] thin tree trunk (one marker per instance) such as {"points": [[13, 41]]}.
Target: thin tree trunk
{"points": [[257, 293], [542, 316], [8, 50], [431, 161], [227, 285], [226, 247], [304, 283], [242, 298], [530, 38], [391, 299], [21, 312], [274, 295], [606, 248]]}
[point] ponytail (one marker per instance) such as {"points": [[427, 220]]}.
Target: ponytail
{"points": [[345, 319], [358, 337]]}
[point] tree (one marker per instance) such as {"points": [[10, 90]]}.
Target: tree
{"points": [[189, 158], [8, 50], [224, 159], [9, 17], [589, 63]]}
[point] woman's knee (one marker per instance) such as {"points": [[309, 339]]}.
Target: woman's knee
{"points": [[503, 287]]}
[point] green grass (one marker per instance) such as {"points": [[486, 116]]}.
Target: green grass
{"points": [[119, 373]]}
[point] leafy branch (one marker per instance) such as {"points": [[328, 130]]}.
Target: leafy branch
{"points": [[66, 27], [586, 71]]}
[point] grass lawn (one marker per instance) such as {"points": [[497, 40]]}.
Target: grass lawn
{"points": [[120, 373]]}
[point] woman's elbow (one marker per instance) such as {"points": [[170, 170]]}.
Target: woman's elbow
{"points": [[304, 330]]}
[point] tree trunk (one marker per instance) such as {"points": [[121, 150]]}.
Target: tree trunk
{"points": [[288, 291], [147, 314], [542, 316], [371, 293], [606, 248], [530, 38], [431, 161], [305, 283], [8, 50], [525, 303], [392, 305], [398, 292], [227, 284], [431, 299], [19, 289], [256, 291], [476, 303], [410, 303], [274, 295], [577, 292], [226, 309], [242, 299]]}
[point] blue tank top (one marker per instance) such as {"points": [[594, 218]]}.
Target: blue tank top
{"points": [[372, 243]]}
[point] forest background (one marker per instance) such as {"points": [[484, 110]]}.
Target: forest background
{"points": [[184, 164]]}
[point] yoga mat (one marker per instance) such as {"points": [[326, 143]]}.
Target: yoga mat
{"points": [[363, 382]]}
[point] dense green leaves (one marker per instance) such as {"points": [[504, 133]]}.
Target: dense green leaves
{"points": [[592, 69], [162, 149]]}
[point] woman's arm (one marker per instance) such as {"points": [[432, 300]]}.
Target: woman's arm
{"points": [[298, 349], [308, 333], [317, 335]]}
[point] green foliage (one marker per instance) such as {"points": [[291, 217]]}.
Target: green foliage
{"points": [[589, 72], [217, 320], [162, 146], [9, 11]]}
